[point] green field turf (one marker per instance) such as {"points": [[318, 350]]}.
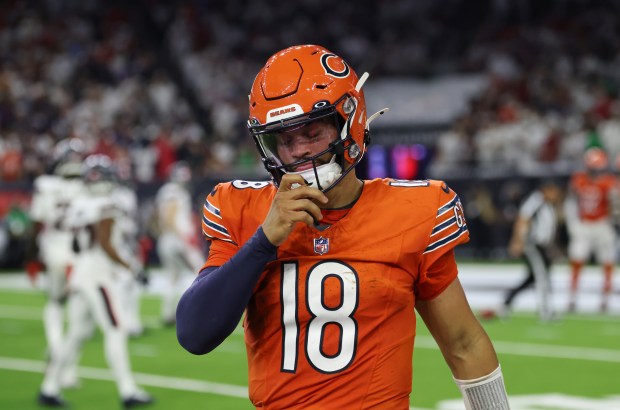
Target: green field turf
{"points": [[572, 364]]}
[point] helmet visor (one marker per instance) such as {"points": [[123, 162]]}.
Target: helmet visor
{"points": [[290, 144]]}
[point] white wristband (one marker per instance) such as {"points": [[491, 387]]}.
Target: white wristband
{"points": [[485, 393]]}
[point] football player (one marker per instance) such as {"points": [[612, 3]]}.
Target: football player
{"points": [[589, 218], [94, 296], [177, 244], [328, 268], [125, 239], [533, 238], [50, 250]]}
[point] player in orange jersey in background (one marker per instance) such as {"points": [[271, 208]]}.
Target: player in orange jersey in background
{"points": [[329, 268], [590, 212]]}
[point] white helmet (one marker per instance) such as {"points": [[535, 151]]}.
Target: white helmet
{"points": [[100, 174]]}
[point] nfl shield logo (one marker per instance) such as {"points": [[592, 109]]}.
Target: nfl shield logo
{"points": [[321, 245]]}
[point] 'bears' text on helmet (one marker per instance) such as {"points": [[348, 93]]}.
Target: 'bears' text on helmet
{"points": [[302, 84]]}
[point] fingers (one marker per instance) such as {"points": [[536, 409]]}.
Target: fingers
{"points": [[288, 180], [292, 210], [303, 191], [305, 217], [310, 207], [290, 206]]}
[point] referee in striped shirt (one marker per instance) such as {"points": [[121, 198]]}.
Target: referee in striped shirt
{"points": [[533, 236]]}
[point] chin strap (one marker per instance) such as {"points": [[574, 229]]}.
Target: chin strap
{"points": [[327, 174]]}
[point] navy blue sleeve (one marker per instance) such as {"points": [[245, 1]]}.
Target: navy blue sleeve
{"points": [[212, 306]]}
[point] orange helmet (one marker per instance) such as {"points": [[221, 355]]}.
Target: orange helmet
{"points": [[301, 84], [595, 159]]}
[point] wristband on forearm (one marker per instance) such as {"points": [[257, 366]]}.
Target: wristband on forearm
{"points": [[485, 393]]}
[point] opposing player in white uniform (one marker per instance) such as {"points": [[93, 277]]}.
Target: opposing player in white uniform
{"points": [[125, 239], [51, 246], [177, 245], [93, 294]]}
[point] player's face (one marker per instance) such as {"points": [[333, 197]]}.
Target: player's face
{"points": [[304, 142]]}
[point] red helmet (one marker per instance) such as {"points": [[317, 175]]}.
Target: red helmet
{"points": [[301, 84], [595, 159]]}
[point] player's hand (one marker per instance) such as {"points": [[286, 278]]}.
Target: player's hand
{"points": [[290, 206], [515, 248]]}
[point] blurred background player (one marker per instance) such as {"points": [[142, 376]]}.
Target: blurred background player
{"points": [[177, 244], [589, 218], [94, 296], [50, 250], [125, 238], [533, 238]]}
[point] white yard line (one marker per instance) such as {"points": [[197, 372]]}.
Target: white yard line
{"points": [[549, 400], [153, 380], [539, 350], [144, 379], [421, 342]]}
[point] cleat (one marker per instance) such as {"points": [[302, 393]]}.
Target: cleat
{"points": [[137, 399], [51, 401]]}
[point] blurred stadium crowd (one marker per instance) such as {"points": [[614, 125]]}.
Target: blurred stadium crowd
{"points": [[152, 82]]}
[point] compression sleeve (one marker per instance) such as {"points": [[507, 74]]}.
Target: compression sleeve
{"points": [[212, 306]]}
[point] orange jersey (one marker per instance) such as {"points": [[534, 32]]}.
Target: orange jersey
{"points": [[593, 195], [331, 322]]}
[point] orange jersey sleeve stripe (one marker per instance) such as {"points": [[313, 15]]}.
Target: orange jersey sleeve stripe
{"points": [[210, 208], [447, 229], [212, 223]]}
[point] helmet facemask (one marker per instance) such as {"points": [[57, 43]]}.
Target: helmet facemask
{"points": [[319, 170]]}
